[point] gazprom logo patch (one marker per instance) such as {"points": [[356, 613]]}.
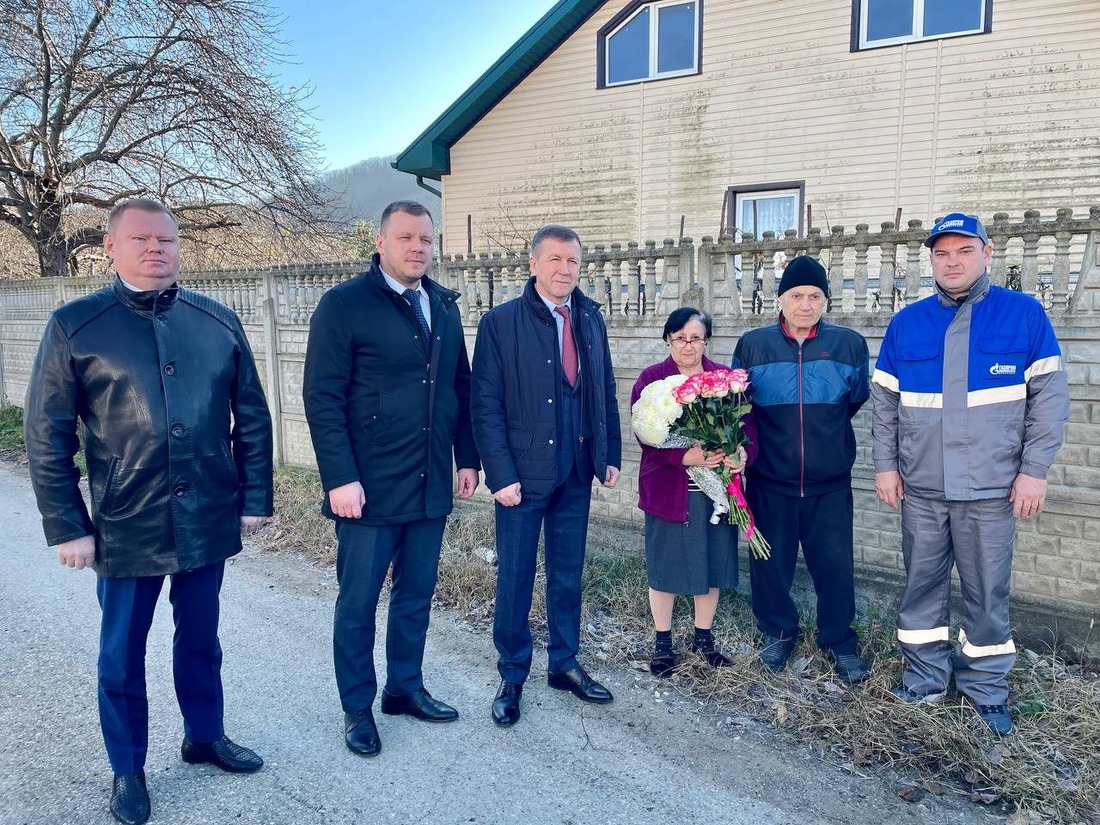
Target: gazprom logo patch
{"points": [[1002, 369]]}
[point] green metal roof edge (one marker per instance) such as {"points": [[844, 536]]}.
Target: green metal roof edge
{"points": [[429, 155]]}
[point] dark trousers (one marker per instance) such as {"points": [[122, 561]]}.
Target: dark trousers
{"points": [[822, 524], [363, 556], [565, 515], [128, 605]]}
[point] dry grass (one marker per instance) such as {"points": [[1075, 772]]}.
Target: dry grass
{"points": [[1049, 771]]}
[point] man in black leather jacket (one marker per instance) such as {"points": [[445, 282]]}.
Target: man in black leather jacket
{"points": [[178, 448]]}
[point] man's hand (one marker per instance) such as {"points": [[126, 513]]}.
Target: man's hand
{"points": [[78, 553], [1028, 496], [467, 482], [250, 524], [508, 496], [889, 487], [347, 501], [611, 477]]}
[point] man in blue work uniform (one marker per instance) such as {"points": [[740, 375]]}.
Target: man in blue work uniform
{"points": [[970, 400]]}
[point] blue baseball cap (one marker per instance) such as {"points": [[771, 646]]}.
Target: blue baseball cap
{"points": [[957, 223]]}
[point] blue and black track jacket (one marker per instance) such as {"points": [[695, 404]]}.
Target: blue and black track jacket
{"points": [[804, 397]]}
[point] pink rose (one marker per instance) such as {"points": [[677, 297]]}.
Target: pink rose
{"points": [[688, 391]]}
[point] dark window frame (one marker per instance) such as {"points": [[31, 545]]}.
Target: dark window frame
{"points": [[625, 14], [857, 21], [733, 191]]}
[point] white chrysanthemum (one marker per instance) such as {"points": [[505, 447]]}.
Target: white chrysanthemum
{"points": [[655, 410]]}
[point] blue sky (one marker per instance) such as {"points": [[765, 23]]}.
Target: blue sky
{"points": [[383, 71]]}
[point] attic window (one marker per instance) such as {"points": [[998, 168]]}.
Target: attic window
{"points": [[649, 41], [890, 22]]}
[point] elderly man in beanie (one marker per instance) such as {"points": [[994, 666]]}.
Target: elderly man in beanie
{"points": [[970, 400], [809, 378]]}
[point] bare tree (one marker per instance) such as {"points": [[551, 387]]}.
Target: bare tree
{"points": [[102, 100]]}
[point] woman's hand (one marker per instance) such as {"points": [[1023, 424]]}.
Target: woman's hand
{"points": [[736, 463], [698, 457]]}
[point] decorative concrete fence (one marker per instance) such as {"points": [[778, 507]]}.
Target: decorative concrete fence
{"points": [[1057, 564]]}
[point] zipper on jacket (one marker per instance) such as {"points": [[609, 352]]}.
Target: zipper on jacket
{"points": [[801, 430]]}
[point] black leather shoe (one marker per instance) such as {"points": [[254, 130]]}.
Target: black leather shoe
{"points": [[850, 668], [506, 704], [775, 653], [361, 734], [420, 705], [129, 798], [225, 754], [581, 685]]}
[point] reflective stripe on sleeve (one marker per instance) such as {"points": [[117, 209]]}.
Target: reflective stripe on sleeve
{"points": [[885, 379], [1043, 366]]}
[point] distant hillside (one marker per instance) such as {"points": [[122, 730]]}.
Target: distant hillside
{"points": [[363, 190]]}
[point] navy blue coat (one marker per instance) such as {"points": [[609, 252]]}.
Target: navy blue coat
{"points": [[517, 380], [803, 400], [379, 411]]}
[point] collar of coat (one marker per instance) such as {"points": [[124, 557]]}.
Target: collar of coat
{"points": [[976, 293], [534, 300], [147, 301], [433, 288]]}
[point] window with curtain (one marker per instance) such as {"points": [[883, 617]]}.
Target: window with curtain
{"points": [[767, 211]]}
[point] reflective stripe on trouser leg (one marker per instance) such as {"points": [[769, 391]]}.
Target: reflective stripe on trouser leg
{"points": [[925, 609], [983, 533]]}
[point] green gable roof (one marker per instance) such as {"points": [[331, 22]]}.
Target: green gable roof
{"points": [[430, 154]]}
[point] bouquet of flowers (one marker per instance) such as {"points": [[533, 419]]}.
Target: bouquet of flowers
{"points": [[703, 410]]}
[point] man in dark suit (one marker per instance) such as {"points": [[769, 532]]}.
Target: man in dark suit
{"points": [[387, 397], [546, 423]]}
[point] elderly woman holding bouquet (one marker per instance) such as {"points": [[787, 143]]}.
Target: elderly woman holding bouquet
{"points": [[686, 552]]}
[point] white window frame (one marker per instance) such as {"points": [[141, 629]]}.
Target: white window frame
{"points": [[653, 30], [918, 26], [739, 199]]}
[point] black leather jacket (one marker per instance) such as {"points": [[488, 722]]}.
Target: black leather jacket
{"points": [[177, 431]]}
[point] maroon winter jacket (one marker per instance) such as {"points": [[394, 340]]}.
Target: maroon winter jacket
{"points": [[663, 479]]}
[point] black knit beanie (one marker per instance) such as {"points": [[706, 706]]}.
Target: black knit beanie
{"points": [[804, 271]]}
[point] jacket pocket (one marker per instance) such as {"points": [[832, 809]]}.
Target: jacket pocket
{"points": [[519, 441], [108, 487]]}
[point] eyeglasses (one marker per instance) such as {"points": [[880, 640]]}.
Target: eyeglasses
{"points": [[680, 342]]}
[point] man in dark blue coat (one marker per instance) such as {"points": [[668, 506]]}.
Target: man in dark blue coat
{"points": [[809, 378], [546, 423], [387, 397]]}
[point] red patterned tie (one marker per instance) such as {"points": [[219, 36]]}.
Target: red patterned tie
{"points": [[568, 347]]}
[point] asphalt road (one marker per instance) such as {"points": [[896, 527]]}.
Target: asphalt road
{"points": [[645, 759]]}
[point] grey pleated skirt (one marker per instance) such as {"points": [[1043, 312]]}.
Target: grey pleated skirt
{"points": [[690, 559]]}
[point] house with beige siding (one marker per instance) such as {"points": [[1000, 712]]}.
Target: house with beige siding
{"points": [[636, 120]]}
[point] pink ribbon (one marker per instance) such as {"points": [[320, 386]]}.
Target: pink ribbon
{"points": [[735, 491]]}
